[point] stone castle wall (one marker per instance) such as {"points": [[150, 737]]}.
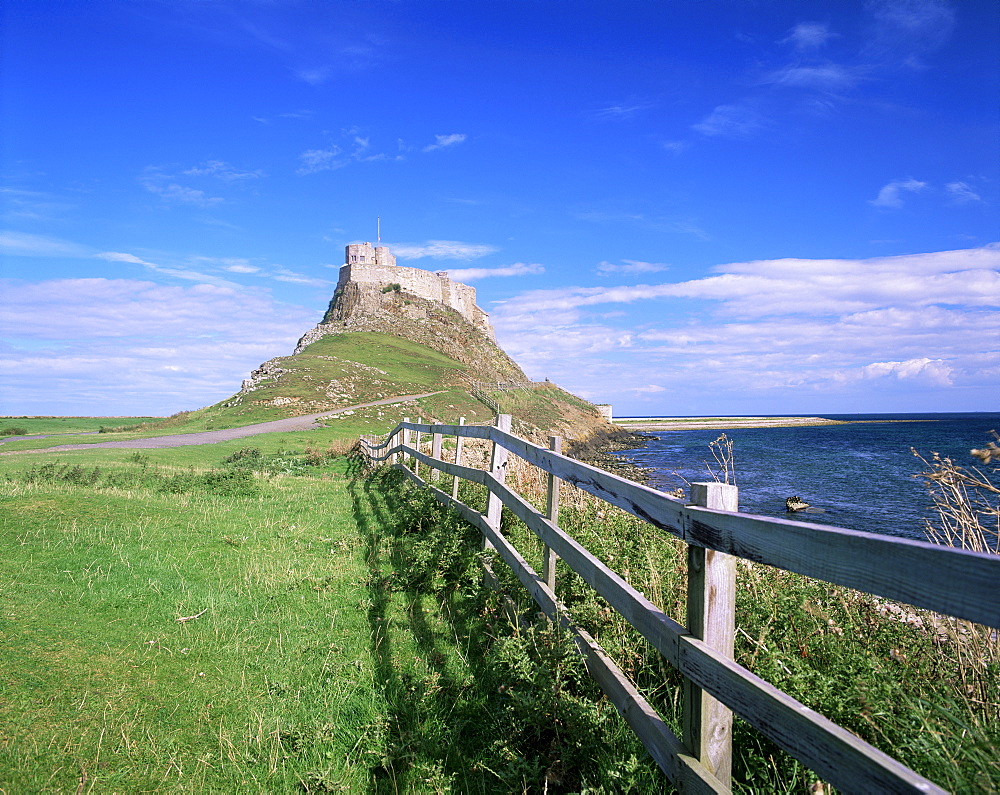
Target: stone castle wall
{"points": [[423, 284]]}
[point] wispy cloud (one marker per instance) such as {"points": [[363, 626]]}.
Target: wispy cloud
{"points": [[474, 274], [222, 170], [357, 147], [731, 121], [21, 205], [809, 35], [23, 244], [164, 186], [314, 76], [215, 265], [121, 256], [624, 110], [442, 249], [811, 79], [229, 264], [962, 193], [905, 31], [292, 277], [681, 226], [314, 160], [630, 266], [826, 77], [891, 195], [675, 147], [241, 268], [444, 141]]}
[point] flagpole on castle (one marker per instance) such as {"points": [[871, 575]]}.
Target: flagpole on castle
{"points": [[378, 229]]}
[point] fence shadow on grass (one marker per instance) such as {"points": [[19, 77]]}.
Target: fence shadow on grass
{"points": [[428, 646]]}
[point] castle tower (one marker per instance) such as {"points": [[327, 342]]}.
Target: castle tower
{"points": [[367, 254]]}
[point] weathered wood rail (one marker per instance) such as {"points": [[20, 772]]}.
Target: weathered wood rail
{"points": [[949, 581]]}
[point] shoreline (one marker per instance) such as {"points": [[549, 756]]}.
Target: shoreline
{"points": [[723, 423]]}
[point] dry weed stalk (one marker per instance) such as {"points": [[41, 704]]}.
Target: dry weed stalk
{"points": [[722, 452], [966, 504]]}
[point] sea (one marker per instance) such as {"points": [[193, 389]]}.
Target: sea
{"points": [[861, 475]]}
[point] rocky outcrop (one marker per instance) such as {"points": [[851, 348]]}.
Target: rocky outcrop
{"points": [[269, 371], [369, 307]]}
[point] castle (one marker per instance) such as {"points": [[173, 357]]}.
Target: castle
{"points": [[375, 294], [365, 264]]}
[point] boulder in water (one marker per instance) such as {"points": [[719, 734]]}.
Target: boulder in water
{"points": [[793, 504]]}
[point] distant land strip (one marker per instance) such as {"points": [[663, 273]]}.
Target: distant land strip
{"points": [[722, 423]]}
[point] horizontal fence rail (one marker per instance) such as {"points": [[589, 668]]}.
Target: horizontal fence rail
{"points": [[950, 581]]}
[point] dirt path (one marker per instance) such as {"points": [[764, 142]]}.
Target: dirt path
{"points": [[303, 423]]}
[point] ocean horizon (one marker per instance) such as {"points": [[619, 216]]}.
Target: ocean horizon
{"points": [[862, 475]]}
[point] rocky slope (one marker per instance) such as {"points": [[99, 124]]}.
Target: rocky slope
{"points": [[367, 307]]}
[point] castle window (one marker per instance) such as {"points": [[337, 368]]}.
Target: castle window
{"points": [[354, 257], [362, 257]]}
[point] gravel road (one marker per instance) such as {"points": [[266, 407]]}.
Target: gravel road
{"points": [[303, 423]]}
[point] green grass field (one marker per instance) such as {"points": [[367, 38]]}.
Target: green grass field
{"points": [[258, 615], [101, 683]]}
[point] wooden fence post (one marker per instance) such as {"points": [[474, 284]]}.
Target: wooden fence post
{"points": [[406, 440], [711, 616], [416, 446], [552, 514], [458, 460], [498, 468], [436, 453]]}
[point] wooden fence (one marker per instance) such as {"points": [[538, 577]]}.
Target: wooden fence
{"points": [[949, 581]]}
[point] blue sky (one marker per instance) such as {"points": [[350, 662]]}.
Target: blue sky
{"points": [[675, 207]]}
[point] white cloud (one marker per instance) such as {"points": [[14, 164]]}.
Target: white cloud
{"points": [[241, 268], [933, 370], [473, 274], [962, 193], [890, 195], [630, 266], [809, 330], [443, 141], [124, 346], [442, 249]]}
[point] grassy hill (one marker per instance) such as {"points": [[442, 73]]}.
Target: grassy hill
{"points": [[343, 370]]}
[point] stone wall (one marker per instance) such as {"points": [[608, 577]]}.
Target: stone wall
{"points": [[423, 284]]}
